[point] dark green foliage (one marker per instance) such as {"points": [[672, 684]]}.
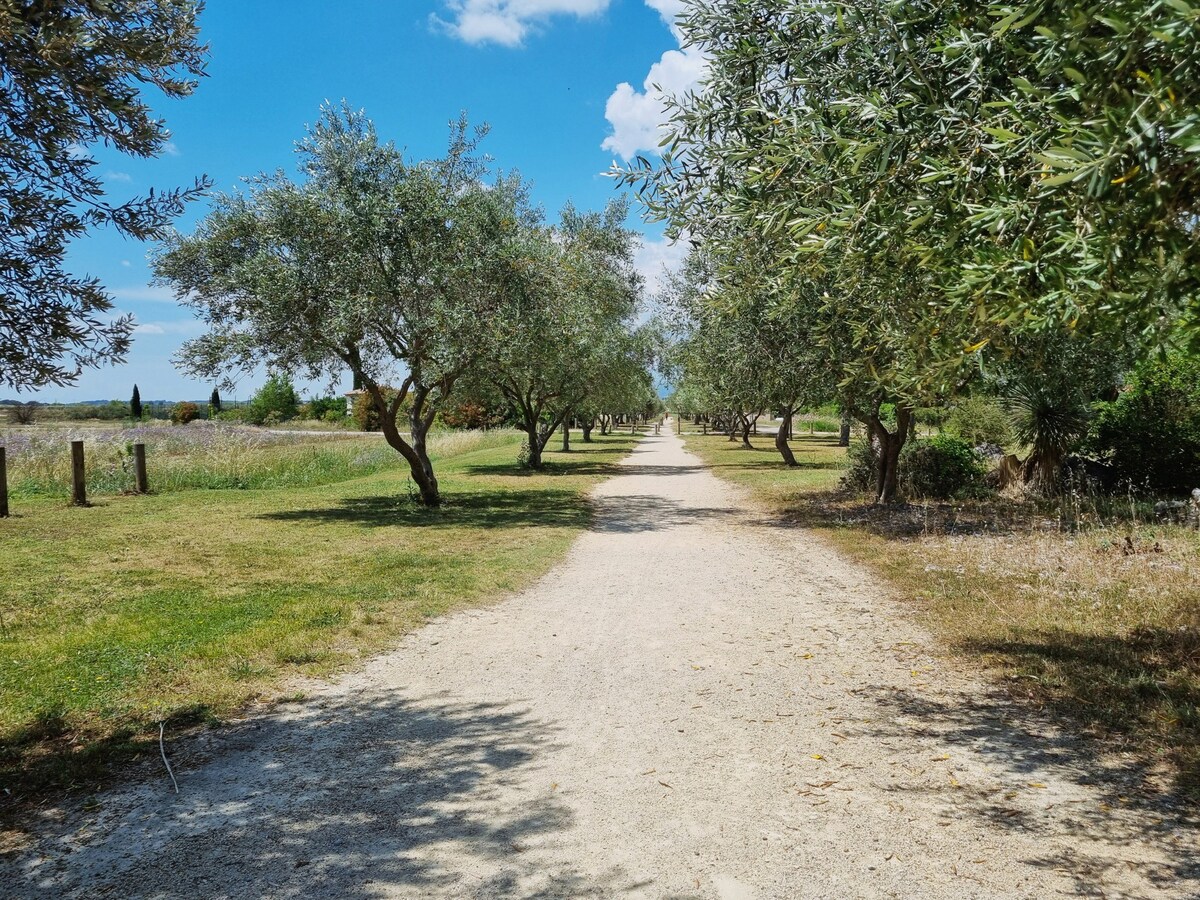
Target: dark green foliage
{"points": [[861, 472], [980, 420], [936, 468], [1151, 433], [214, 403], [135, 404], [941, 468], [73, 73], [275, 401], [326, 408]]}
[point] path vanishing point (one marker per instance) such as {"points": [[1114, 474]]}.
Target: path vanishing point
{"points": [[695, 703]]}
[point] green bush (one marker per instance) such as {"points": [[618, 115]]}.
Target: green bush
{"points": [[937, 468], [182, 413], [275, 399], [941, 467], [861, 473], [324, 408], [1151, 432], [980, 420]]}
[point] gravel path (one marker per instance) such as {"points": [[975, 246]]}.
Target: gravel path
{"points": [[694, 704]]}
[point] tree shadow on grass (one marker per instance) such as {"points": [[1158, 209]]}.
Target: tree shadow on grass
{"points": [[478, 509], [1144, 685], [1118, 806], [352, 797], [55, 756]]}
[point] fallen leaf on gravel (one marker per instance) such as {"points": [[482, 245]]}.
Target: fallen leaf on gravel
{"points": [[943, 756], [1036, 784], [650, 771], [807, 656], [664, 784], [817, 756]]}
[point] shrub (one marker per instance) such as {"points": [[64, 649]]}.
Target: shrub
{"points": [[182, 413], [941, 467], [277, 396], [980, 420], [1151, 432], [325, 408], [861, 472], [366, 417], [24, 413]]}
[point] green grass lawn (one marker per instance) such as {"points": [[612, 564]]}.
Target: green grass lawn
{"points": [[1099, 625], [183, 606]]}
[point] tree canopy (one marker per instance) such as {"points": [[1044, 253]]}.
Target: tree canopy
{"points": [[72, 75]]}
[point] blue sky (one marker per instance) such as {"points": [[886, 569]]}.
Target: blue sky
{"points": [[563, 84]]}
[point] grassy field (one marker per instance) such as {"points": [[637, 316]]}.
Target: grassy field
{"points": [[183, 606], [1098, 624]]}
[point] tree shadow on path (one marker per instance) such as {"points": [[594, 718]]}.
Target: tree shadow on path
{"points": [[1115, 803], [354, 797]]}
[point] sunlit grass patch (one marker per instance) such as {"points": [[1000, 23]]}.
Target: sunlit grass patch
{"points": [[186, 605]]}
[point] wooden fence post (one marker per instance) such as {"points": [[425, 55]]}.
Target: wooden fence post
{"points": [[141, 483], [78, 475], [3, 485]]}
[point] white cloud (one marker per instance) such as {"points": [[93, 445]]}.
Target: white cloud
{"points": [[182, 328], [508, 22], [669, 9], [118, 176], [126, 263], [655, 258], [144, 294], [637, 117], [170, 149]]}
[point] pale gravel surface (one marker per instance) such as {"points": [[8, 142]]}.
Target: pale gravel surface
{"points": [[696, 703]]}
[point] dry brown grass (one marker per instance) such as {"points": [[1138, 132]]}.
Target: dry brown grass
{"points": [[1081, 609]]}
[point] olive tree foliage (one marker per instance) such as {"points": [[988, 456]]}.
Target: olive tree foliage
{"points": [[622, 386], [72, 73], [950, 175], [565, 326], [762, 144], [742, 349], [372, 263]]}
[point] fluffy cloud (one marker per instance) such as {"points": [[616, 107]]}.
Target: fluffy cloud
{"points": [[508, 22], [637, 116], [655, 258]]}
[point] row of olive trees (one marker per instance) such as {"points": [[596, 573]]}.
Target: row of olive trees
{"points": [[941, 193], [420, 278]]}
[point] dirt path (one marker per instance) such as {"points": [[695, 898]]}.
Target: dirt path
{"points": [[638, 724]]}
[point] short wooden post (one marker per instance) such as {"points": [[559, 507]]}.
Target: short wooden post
{"points": [[141, 482], [704, 425], [656, 428], [78, 475], [3, 485]]}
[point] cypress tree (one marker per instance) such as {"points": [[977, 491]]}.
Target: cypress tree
{"points": [[135, 404], [214, 403]]}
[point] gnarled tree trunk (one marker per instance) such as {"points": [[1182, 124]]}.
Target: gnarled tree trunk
{"points": [[781, 438], [889, 444]]}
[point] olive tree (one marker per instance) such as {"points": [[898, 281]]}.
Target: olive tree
{"points": [[564, 326], [371, 263], [73, 75]]}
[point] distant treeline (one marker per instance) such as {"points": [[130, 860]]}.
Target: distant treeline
{"points": [[114, 409]]}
